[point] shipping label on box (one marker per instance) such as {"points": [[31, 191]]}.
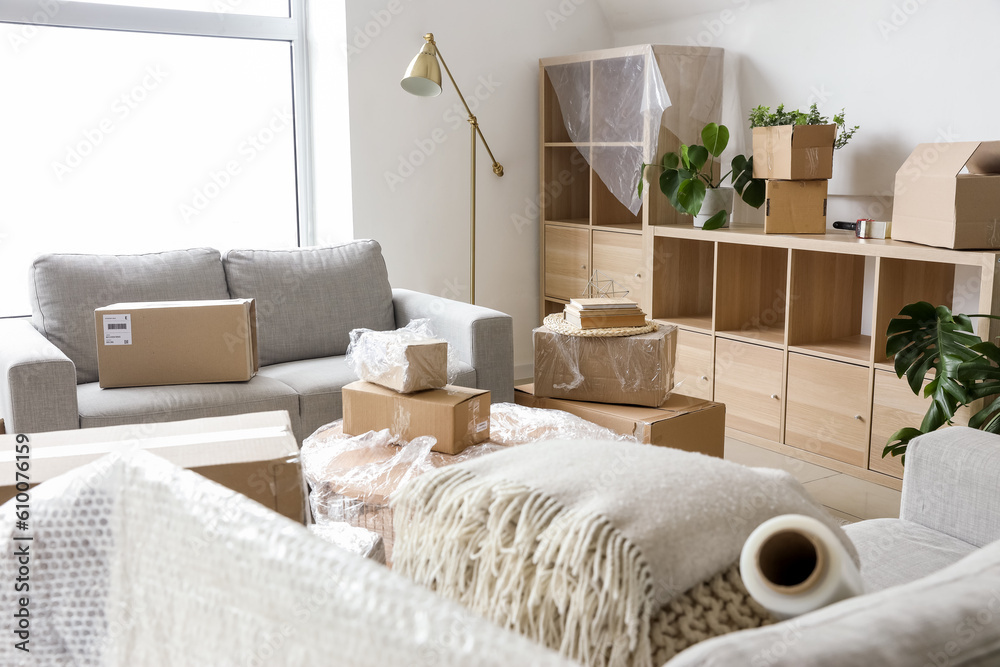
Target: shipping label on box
{"points": [[795, 207], [681, 422], [637, 370], [936, 204], [794, 152], [255, 454], [176, 342], [458, 417]]}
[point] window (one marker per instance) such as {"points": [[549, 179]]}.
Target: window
{"points": [[181, 130]]}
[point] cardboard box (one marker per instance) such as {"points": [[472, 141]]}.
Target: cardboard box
{"points": [[413, 366], [795, 207], [936, 204], [635, 370], [682, 422], [794, 152], [2, 428], [458, 417], [176, 342], [255, 454]]}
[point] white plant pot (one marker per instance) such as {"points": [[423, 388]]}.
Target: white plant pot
{"points": [[716, 199]]}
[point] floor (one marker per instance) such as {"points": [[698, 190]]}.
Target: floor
{"points": [[848, 499]]}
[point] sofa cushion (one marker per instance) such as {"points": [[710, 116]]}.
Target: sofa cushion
{"points": [[65, 289], [309, 299], [318, 383], [951, 617], [132, 405], [893, 551]]}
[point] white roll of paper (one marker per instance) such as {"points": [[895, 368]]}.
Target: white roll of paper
{"points": [[793, 564]]}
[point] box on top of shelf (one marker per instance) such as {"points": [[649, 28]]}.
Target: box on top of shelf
{"points": [[794, 152], [936, 204], [795, 207]]}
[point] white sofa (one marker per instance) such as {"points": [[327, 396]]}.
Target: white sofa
{"points": [[307, 301]]}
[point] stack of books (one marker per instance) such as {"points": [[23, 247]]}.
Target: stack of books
{"points": [[604, 313]]}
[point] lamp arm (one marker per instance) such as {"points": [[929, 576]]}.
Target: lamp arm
{"points": [[497, 167]]}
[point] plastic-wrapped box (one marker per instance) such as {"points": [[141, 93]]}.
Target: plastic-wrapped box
{"points": [[361, 541], [405, 360], [632, 370], [353, 477]]}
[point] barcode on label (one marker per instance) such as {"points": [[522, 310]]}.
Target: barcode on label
{"points": [[117, 326], [118, 329]]}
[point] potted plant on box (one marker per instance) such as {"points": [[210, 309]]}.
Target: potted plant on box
{"points": [[762, 116], [689, 183], [923, 338]]}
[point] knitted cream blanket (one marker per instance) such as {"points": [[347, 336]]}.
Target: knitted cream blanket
{"points": [[579, 545]]}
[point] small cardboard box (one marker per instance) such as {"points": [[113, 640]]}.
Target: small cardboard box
{"points": [[458, 417], [255, 454], [176, 342], [414, 366], [795, 207], [794, 152], [682, 422], [636, 370], [936, 204]]}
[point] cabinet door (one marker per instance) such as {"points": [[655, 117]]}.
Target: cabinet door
{"points": [[827, 408], [567, 261], [693, 365], [619, 257], [895, 406], [748, 381]]}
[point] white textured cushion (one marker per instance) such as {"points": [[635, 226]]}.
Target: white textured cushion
{"points": [[894, 551], [309, 299], [65, 289], [951, 617]]}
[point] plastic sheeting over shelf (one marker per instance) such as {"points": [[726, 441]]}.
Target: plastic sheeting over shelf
{"points": [[625, 105]]}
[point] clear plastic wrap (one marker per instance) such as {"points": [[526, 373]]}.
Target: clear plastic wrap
{"points": [[406, 360], [360, 541], [352, 478], [134, 561], [628, 99], [632, 370]]}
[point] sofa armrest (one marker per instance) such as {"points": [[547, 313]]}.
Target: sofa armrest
{"points": [[482, 337], [38, 387], [950, 484]]}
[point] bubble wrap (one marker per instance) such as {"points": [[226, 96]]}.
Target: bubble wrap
{"points": [[352, 478], [136, 562], [406, 360]]}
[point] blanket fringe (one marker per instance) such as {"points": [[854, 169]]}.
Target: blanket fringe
{"points": [[562, 577]]}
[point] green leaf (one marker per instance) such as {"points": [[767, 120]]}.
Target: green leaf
{"points": [[640, 186], [697, 156], [690, 195], [898, 441], [716, 138], [670, 160], [684, 156], [755, 193], [716, 221], [670, 181]]}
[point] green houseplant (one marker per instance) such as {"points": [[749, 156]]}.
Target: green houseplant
{"points": [[924, 338], [763, 117], [688, 179]]}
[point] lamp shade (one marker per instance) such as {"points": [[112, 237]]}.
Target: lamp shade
{"points": [[423, 76]]}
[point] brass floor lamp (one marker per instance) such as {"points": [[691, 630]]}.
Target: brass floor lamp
{"points": [[423, 78]]}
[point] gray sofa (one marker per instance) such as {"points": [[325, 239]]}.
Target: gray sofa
{"points": [[307, 301], [932, 576]]}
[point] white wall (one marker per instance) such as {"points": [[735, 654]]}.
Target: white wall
{"points": [[410, 155], [907, 72]]}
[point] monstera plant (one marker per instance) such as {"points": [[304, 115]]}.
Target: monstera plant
{"points": [[924, 338], [688, 179]]}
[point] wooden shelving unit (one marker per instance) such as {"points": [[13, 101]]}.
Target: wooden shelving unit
{"points": [[787, 330]]}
